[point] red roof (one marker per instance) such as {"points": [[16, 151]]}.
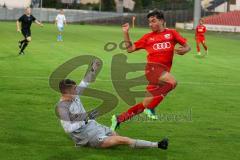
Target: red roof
{"points": [[228, 18]]}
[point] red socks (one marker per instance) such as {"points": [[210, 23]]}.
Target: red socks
{"points": [[138, 108], [156, 100], [198, 48], [157, 91]]}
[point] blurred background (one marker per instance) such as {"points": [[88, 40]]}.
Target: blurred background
{"points": [[178, 13]]}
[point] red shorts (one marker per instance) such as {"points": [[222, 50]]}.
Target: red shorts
{"points": [[200, 39], [153, 71]]}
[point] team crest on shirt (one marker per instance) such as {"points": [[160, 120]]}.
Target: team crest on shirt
{"points": [[167, 36], [152, 39]]}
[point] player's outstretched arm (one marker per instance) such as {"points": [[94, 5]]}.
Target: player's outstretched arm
{"points": [[128, 44], [39, 23], [183, 49], [90, 76]]}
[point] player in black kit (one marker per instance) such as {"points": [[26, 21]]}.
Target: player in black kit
{"points": [[26, 22]]}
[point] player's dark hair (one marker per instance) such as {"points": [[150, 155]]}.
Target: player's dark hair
{"points": [[156, 13], [65, 85]]}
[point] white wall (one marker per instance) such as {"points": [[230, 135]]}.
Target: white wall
{"points": [[16, 3], [89, 1], [49, 14], [237, 5], [221, 8]]}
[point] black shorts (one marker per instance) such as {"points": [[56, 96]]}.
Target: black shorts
{"points": [[26, 33]]}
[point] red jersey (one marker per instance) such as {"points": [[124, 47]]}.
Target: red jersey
{"points": [[160, 46], [200, 30]]}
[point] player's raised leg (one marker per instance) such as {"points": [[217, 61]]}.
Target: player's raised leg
{"points": [[156, 93], [154, 96], [25, 44]]}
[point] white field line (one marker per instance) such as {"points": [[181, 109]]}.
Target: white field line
{"points": [[99, 80]]}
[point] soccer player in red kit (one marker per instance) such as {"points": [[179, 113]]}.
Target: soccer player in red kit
{"points": [[200, 37], [159, 45]]}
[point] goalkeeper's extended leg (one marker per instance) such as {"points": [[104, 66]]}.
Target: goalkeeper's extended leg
{"points": [[133, 143]]}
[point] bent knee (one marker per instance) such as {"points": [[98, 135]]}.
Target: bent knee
{"points": [[170, 79], [29, 39], [173, 83]]}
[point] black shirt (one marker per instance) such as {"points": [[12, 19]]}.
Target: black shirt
{"points": [[26, 21]]}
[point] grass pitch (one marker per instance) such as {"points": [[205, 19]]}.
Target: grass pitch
{"points": [[207, 94]]}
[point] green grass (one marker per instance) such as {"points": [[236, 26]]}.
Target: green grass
{"points": [[208, 86]]}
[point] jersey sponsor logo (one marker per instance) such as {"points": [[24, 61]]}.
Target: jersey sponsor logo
{"points": [[160, 46], [200, 29], [152, 39]]}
